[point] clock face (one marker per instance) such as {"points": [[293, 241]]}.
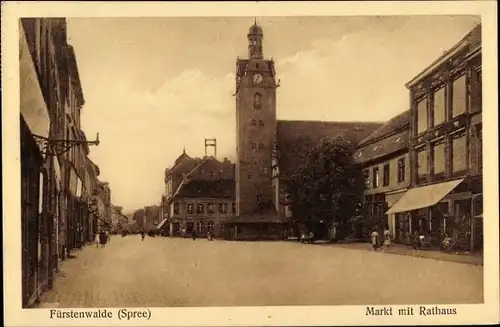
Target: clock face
{"points": [[257, 78]]}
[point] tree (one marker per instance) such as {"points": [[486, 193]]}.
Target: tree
{"points": [[327, 186]]}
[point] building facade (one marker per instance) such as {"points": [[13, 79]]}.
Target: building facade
{"points": [[204, 200], [384, 158], [446, 146]]}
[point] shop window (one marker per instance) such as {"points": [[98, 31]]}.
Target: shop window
{"points": [[459, 94], [401, 170], [438, 158], [366, 174], [190, 209], [422, 116], [439, 113], [376, 177], [211, 208], [223, 207], [386, 177], [459, 164], [176, 208]]}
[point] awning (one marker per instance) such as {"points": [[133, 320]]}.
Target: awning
{"points": [[33, 107], [422, 197], [161, 223]]}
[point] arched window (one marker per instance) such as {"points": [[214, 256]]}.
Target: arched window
{"points": [[257, 101]]}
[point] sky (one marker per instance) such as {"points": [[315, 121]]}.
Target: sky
{"points": [[153, 86]]}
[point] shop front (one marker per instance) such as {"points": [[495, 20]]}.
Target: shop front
{"points": [[439, 211]]}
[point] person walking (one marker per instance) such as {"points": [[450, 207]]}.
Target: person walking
{"points": [[375, 237], [97, 239], [193, 234], [143, 235], [387, 238], [102, 238]]}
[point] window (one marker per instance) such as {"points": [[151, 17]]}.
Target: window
{"points": [[386, 175], [200, 227], [476, 90], [266, 170], [200, 208], [439, 107], [259, 198], [234, 208], [459, 159], [459, 96], [190, 209], [257, 101], [261, 146], [261, 122], [438, 158], [366, 175], [254, 122], [254, 145], [176, 209], [422, 164], [221, 228], [210, 226], [250, 176], [223, 207], [401, 170], [376, 177], [422, 116], [211, 208]]}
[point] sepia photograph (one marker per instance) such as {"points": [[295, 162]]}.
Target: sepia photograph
{"points": [[251, 161]]}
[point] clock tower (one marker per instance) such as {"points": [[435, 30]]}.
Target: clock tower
{"points": [[255, 127]]}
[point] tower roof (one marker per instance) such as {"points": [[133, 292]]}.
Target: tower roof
{"points": [[255, 29]]}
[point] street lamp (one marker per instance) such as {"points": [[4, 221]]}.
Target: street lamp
{"points": [[53, 147]]}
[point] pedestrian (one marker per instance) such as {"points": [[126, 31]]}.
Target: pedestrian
{"points": [[143, 235], [375, 237], [387, 238], [416, 240], [96, 239], [193, 234], [102, 238]]}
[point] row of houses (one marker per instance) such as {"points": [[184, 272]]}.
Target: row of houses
{"points": [[422, 168], [63, 203]]}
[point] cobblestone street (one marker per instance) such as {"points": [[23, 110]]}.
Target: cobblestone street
{"points": [[181, 272]]}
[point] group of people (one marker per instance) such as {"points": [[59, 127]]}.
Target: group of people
{"points": [[376, 239], [101, 238]]}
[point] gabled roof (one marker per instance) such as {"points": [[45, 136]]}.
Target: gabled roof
{"points": [[393, 125], [391, 137], [296, 138], [209, 179], [184, 164], [212, 169], [219, 189]]}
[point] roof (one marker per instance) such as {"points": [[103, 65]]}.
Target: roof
{"points": [[184, 164], [391, 137], [383, 147], [212, 169], [219, 189], [296, 138], [209, 179], [393, 125], [471, 41]]}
